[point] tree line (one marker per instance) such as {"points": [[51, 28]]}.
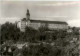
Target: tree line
{"points": [[10, 31], [60, 38]]}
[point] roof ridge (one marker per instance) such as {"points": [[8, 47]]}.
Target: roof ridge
{"points": [[46, 21]]}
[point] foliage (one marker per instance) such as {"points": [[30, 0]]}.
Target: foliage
{"points": [[40, 50], [75, 31], [61, 39], [9, 31], [42, 29], [29, 34]]}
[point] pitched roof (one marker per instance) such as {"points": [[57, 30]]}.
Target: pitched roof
{"points": [[55, 22]]}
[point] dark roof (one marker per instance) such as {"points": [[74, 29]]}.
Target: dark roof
{"points": [[55, 22]]}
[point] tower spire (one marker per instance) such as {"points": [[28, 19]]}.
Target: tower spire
{"points": [[27, 15]]}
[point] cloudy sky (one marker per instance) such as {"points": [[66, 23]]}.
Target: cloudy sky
{"points": [[41, 10]]}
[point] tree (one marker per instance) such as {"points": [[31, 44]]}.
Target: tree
{"points": [[42, 29], [9, 31], [30, 34], [75, 31]]}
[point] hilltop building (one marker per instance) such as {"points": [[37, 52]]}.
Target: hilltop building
{"points": [[41, 23]]}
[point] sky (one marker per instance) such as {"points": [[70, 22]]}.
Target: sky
{"points": [[68, 11]]}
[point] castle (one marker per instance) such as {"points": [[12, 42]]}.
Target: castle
{"points": [[41, 23]]}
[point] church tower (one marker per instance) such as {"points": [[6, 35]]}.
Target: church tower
{"points": [[28, 18], [27, 15]]}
